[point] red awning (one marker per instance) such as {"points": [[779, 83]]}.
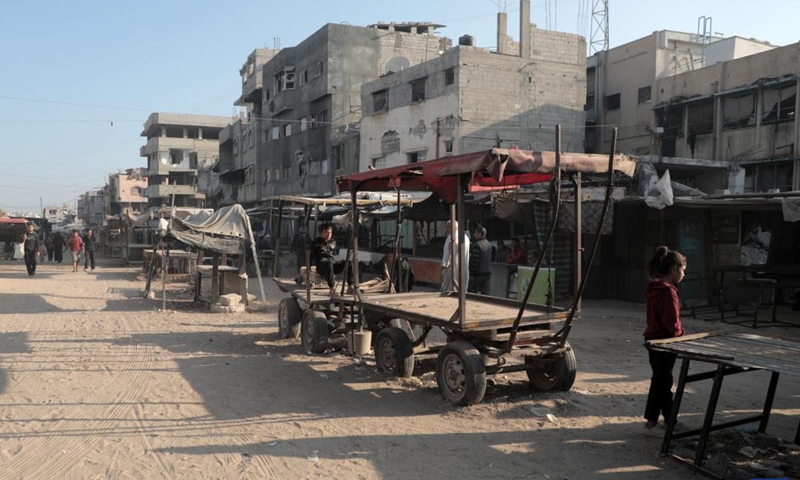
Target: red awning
{"points": [[488, 169], [13, 221]]}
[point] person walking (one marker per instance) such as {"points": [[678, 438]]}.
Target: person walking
{"points": [[75, 245], [48, 244], [59, 244], [450, 258], [88, 249], [480, 262], [30, 248], [666, 270]]}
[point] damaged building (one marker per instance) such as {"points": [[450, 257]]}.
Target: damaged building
{"points": [[471, 99], [304, 107], [179, 147]]}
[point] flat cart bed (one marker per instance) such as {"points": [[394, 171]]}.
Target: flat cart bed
{"points": [[318, 295], [434, 308]]}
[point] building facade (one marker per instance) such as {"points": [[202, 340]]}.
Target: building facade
{"points": [[126, 191], [739, 112], [305, 129], [178, 147], [621, 83], [471, 99]]}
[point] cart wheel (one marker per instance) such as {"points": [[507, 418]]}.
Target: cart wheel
{"points": [[394, 353], [461, 373], [553, 374], [314, 334], [405, 326], [289, 316]]}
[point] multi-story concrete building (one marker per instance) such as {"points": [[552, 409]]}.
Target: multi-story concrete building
{"points": [[242, 142], [178, 146], [311, 105], [740, 113], [471, 99], [621, 83], [91, 207], [59, 213], [126, 191]]}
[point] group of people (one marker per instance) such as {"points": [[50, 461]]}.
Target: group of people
{"points": [[54, 247], [479, 254]]}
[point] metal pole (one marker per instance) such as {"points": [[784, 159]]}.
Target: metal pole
{"points": [[578, 237], [275, 264], [462, 269], [354, 222]]}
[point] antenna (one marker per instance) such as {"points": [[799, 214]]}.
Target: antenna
{"points": [[599, 39], [276, 43], [704, 36]]}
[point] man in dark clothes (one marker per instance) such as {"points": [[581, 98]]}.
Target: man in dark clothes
{"points": [[88, 245], [323, 249], [480, 262], [30, 245], [59, 244]]}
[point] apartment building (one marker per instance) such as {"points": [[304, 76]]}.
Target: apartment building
{"points": [[471, 99], [126, 191], [178, 147], [621, 83], [305, 130], [241, 143], [91, 207], [741, 113]]}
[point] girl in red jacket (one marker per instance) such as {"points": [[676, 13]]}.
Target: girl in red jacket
{"points": [[666, 270]]}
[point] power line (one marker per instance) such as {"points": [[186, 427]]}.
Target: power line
{"points": [[72, 104]]}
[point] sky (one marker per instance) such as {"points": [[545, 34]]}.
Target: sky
{"points": [[78, 79]]}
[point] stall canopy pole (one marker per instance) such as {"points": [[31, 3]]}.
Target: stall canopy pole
{"points": [[255, 257], [275, 269], [578, 235], [462, 268], [354, 210], [556, 182], [396, 248], [307, 254], [564, 332]]}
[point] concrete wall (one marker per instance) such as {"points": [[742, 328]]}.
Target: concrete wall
{"points": [[350, 56], [734, 47], [495, 99], [754, 141]]}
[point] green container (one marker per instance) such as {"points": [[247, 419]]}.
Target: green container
{"points": [[539, 293]]}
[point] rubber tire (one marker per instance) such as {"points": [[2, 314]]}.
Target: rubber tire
{"points": [[394, 353], [314, 332], [461, 373], [556, 374], [405, 326], [289, 317]]}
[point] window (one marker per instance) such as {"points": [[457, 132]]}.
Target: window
{"points": [[277, 175], [701, 118], [778, 104], [284, 80], [319, 119], [379, 162], [267, 94], [336, 152], [324, 167], [287, 130], [249, 175], [645, 94], [136, 191], [739, 111], [303, 124], [450, 76], [448, 146], [418, 90], [303, 77], [286, 173], [268, 175], [612, 102], [380, 101], [318, 69], [265, 135], [276, 133], [415, 157], [589, 105], [235, 146]]}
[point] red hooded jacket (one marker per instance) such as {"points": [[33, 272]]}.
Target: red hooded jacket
{"points": [[663, 311]]}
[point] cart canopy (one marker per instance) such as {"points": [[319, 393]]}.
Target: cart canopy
{"points": [[489, 170]]}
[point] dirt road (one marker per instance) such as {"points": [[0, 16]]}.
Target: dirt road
{"points": [[98, 383]]}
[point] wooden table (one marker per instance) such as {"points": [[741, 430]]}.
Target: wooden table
{"points": [[229, 281]]}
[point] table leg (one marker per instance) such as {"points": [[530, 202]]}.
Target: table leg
{"points": [[676, 406], [773, 385], [709, 418]]}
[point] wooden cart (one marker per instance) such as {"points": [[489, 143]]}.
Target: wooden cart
{"points": [[484, 334]]}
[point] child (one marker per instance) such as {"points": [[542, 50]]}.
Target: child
{"points": [[666, 270]]}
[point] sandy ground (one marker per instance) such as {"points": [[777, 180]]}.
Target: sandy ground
{"points": [[98, 383]]}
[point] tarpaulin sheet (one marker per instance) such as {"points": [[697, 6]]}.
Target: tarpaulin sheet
{"points": [[492, 169]]}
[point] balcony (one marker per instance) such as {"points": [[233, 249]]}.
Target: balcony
{"points": [[158, 191]]}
